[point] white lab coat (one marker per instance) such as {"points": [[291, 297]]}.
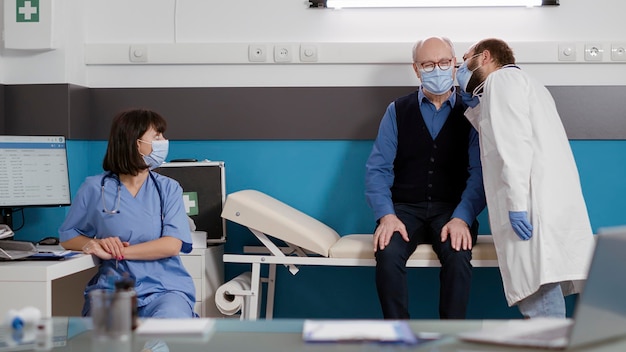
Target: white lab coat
{"points": [[528, 166]]}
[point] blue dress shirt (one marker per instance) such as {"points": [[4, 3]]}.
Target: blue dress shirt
{"points": [[379, 174]]}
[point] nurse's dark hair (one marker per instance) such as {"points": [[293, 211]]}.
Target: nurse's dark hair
{"points": [[500, 51], [122, 155]]}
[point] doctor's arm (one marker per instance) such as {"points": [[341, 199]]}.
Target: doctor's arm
{"points": [[513, 133]]}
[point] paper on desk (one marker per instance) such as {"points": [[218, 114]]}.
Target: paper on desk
{"points": [[5, 231], [54, 249], [357, 330], [176, 327]]}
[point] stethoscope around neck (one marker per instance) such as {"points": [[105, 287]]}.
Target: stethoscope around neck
{"points": [[116, 207]]}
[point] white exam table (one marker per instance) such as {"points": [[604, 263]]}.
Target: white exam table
{"points": [[309, 242]]}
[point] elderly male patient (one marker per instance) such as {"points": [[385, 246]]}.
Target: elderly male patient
{"points": [[424, 184]]}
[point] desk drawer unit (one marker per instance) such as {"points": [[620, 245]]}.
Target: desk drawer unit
{"points": [[206, 268]]}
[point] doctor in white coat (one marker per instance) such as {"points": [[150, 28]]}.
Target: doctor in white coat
{"points": [[537, 213]]}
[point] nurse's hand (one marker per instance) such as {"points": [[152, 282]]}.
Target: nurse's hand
{"points": [[521, 225], [387, 226], [106, 248], [459, 233]]}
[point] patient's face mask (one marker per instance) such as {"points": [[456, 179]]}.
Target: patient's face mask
{"points": [[160, 147], [437, 81]]}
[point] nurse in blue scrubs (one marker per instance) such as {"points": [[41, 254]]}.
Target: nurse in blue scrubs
{"points": [[134, 220]]}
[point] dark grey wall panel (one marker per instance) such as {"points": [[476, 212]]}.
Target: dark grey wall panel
{"points": [[81, 125], [592, 112], [2, 119], [264, 113], [37, 109], [47, 109], [254, 113]]}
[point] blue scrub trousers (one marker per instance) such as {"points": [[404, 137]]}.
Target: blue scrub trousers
{"points": [[423, 222], [167, 305]]}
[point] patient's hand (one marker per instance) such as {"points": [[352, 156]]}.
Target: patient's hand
{"points": [[387, 226], [459, 232]]}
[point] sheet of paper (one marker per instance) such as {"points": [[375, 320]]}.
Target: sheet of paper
{"points": [[176, 327], [357, 330]]}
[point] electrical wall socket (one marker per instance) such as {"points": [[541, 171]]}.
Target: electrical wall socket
{"points": [[257, 53], [283, 53], [618, 51], [594, 52], [138, 53]]}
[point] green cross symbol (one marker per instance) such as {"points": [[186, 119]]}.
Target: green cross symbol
{"points": [[27, 10], [191, 203]]}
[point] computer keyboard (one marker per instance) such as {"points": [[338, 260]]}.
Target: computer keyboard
{"points": [[548, 335]]}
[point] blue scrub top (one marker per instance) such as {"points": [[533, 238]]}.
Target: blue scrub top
{"points": [[138, 220]]}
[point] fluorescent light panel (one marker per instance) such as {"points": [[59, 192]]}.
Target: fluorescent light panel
{"points": [[429, 3]]}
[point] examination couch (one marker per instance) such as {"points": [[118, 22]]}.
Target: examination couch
{"points": [[308, 242]]}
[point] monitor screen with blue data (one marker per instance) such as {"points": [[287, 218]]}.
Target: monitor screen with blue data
{"points": [[33, 172]]}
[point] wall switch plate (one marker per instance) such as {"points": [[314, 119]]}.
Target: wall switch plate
{"points": [[567, 51], [618, 51], [138, 53], [308, 53]]}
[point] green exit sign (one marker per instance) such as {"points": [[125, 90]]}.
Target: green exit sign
{"points": [[27, 10]]}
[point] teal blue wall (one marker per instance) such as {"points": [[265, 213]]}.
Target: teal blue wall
{"points": [[325, 180]]}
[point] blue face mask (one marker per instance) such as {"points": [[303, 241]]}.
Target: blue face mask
{"points": [[464, 74], [159, 153], [437, 81]]}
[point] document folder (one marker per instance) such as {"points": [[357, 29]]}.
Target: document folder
{"points": [[11, 250]]}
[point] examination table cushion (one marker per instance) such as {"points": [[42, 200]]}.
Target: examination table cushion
{"points": [[261, 212]]}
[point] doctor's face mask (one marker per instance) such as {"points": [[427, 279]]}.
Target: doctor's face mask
{"points": [[470, 81]]}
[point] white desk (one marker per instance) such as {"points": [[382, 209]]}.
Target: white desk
{"points": [[44, 284], [57, 287]]}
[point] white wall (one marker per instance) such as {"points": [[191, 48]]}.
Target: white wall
{"points": [[229, 26]]}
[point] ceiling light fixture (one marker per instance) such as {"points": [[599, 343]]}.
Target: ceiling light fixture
{"points": [[337, 4]]}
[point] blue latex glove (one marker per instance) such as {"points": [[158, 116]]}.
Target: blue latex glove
{"points": [[469, 100], [521, 225]]}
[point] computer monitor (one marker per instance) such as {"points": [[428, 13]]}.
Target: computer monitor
{"points": [[33, 172]]}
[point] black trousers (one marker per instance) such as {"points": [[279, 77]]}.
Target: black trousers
{"points": [[423, 223]]}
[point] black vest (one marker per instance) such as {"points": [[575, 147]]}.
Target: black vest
{"points": [[427, 169]]}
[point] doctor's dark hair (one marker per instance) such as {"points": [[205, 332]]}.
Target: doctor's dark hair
{"points": [[122, 155], [500, 51]]}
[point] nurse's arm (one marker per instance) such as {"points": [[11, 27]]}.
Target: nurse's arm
{"points": [[162, 247], [76, 243]]}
